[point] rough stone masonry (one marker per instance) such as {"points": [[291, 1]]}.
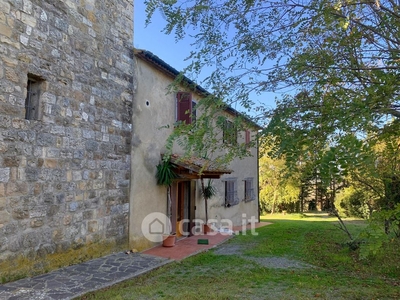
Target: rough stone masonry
{"points": [[66, 76]]}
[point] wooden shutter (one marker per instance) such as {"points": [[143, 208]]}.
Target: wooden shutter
{"points": [[32, 106], [231, 197], [184, 107], [248, 189], [229, 193], [247, 136]]}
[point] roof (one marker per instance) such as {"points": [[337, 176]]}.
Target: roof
{"points": [[161, 65], [196, 167]]}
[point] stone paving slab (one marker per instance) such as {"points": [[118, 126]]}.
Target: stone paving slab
{"points": [[76, 280]]}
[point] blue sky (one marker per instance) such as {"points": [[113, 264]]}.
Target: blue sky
{"points": [[152, 39], [165, 47]]}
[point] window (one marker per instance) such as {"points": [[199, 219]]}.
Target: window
{"points": [[248, 189], [185, 107], [247, 138], [230, 133], [194, 114], [231, 197], [32, 101]]}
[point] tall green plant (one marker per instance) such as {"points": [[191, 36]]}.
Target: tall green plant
{"points": [[165, 176], [208, 191]]}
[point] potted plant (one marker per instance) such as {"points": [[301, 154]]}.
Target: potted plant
{"points": [[207, 191], [165, 175]]}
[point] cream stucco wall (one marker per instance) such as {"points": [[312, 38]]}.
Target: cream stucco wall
{"points": [[242, 212], [154, 109]]}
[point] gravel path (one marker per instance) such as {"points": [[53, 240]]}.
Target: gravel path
{"points": [[273, 262]]}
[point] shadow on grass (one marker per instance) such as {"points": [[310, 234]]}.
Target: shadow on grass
{"points": [[240, 275], [315, 238]]}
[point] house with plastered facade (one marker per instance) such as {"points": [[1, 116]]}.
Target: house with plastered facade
{"points": [[80, 141], [156, 110]]}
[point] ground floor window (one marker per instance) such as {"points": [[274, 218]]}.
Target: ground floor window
{"points": [[231, 197], [248, 189]]}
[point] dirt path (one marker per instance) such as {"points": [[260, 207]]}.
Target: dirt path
{"points": [[273, 262]]}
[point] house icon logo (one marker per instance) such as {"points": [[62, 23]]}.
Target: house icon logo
{"points": [[154, 225]]}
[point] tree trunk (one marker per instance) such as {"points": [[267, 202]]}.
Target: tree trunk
{"points": [[205, 198], [302, 199], [169, 208], [273, 203]]}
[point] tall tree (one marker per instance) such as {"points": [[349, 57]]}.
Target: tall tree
{"points": [[278, 190], [336, 63]]}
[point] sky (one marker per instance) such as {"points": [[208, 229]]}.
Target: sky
{"points": [[172, 52], [152, 39]]}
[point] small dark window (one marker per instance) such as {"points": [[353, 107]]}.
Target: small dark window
{"points": [[231, 197], [248, 189], [32, 101], [247, 138], [184, 107], [194, 112], [230, 133]]}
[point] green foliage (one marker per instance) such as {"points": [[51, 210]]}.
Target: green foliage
{"points": [[335, 65], [276, 189], [209, 190], [373, 238], [383, 228], [165, 174], [353, 202], [209, 136]]}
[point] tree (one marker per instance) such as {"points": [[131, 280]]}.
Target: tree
{"points": [[336, 63], [277, 191], [165, 176], [354, 202]]}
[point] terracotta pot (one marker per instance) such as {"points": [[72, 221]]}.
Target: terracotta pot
{"points": [[169, 240], [206, 228]]}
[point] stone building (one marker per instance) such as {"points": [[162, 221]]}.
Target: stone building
{"points": [[78, 152], [66, 82]]}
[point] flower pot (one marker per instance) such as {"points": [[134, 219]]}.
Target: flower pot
{"points": [[169, 240], [206, 228]]}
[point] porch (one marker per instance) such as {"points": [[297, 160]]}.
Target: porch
{"points": [[188, 246]]}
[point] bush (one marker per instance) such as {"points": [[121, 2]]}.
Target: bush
{"points": [[352, 202]]}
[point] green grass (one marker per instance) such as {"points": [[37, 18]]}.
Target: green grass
{"points": [[338, 273]]}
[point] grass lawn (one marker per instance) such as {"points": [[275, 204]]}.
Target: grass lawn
{"points": [[314, 240]]}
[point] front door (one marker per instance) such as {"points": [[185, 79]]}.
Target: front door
{"points": [[185, 207]]}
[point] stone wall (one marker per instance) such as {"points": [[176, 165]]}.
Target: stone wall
{"points": [[64, 176]]}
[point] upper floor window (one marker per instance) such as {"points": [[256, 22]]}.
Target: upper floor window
{"points": [[32, 101], [248, 189], [230, 133], [247, 137], [185, 108]]}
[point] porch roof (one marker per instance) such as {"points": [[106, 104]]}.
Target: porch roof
{"points": [[196, 167]]}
